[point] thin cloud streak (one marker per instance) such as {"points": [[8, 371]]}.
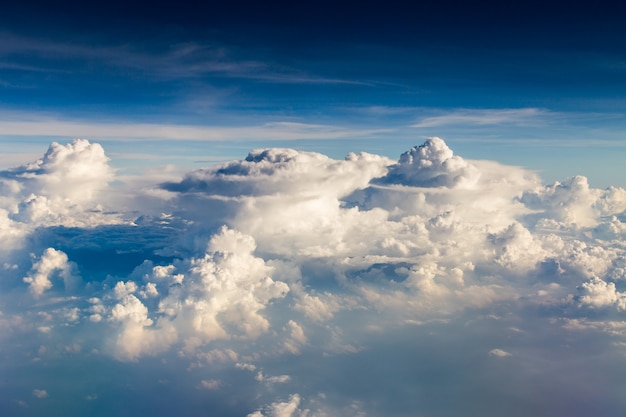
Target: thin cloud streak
{"points": [[177, 61], [565, 142], [486, 117], [152, 131]]}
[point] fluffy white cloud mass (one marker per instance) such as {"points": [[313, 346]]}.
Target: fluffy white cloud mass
{"points": [[64, 187], [432, 165], [52, 261], [290, 284]]}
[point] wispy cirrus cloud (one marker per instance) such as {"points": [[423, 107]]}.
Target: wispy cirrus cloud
{"points": [[486, 117], [182, 60], [45, 125], [530, 126]]}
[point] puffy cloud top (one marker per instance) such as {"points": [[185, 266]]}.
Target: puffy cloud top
{"points": [[431, 165], [51, 261], [60, 188], [213, 297], [573, 202], [284, 171], [76, 171]]}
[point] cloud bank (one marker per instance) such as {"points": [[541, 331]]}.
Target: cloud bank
{"points": [[291, 284]]}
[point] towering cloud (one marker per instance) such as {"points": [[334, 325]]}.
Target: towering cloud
{"points": [[62, 188], [432, 165]]}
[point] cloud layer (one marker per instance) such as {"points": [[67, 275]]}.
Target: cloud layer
{"points": [[290, 284]]}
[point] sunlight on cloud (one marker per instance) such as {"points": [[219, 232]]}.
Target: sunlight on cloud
{"points": [[290, 284]]}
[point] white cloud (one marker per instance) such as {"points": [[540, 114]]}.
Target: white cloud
{"points": [[276, 379], [284, 172], [40, 393], [317, 307], [617, 328], [574, 203], [136, 339], [75, 172], [211, 384], [246, 366], [52, 261], [431, 210], [296, 337], [485, 117], [284, 198], [122, 289], [289, 258], [499, 353], [64, 187], [131, 309], [43, 125], [516, 249], [598, 293], [432, 165], [287, 408], [215, 297]]}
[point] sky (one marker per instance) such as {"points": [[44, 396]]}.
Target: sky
{"points": [[535, 84], [312, 210]]}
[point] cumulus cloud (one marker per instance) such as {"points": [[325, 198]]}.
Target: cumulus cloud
{"points": [[202, 299], [574, 203], [67, 175], [51, 262], [266, 172], [598, 293], [137, 336], [63, 188], [432, 164], [298, 269], [499, 353], [283, 197], [287, 408], [446, 220], [75, 171], [516, 249]]}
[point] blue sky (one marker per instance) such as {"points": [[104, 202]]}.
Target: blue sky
{"points": [[530, 84], [312, 209]]}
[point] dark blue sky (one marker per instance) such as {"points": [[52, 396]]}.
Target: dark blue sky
{"points": [[382, 67]]}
